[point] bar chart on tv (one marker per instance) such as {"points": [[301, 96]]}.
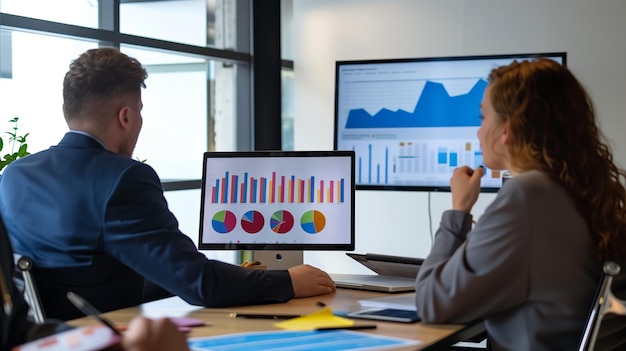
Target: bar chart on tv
{"points": [[411, 131], [276, 188]]}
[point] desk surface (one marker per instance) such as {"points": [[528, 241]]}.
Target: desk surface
{"points": [[219, 321]]}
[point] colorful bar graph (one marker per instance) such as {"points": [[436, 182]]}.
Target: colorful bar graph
{"points": [[233, 188]]}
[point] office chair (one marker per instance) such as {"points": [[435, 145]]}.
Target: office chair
{"points": [[26, 283], [606, 325]]}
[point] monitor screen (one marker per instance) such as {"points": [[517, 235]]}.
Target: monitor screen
{"points": [[277, 200], [411, 122]]}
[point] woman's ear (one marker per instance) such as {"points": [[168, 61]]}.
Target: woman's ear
{"points": [[506, 133]]}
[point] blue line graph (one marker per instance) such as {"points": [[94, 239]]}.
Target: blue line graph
{"points": [[434, 108]]}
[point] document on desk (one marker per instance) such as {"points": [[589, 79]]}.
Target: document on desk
{"points": [[299, 340], [88, 338]]}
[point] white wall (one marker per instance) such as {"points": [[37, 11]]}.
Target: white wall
{"points": [[324, 31]]}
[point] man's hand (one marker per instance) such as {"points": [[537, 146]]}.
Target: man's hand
{"points": [[310, 281]]}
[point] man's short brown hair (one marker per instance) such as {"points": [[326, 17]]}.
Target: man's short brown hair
{"points": [[99, 75]]}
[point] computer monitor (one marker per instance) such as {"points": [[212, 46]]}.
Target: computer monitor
{"points": [[277, 202], [411, 122]]}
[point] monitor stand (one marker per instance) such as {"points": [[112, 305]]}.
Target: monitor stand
{"points": [[278, 259]]}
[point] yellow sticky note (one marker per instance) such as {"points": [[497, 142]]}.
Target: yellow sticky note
{"points": [[323, 318]]}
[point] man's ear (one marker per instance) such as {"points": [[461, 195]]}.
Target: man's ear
{"points": [[122, 116]]}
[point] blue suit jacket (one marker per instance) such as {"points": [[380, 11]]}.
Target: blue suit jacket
{"points": [[96, 223]]}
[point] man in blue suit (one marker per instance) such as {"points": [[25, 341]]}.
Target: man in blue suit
{"points": [[96, 222]]}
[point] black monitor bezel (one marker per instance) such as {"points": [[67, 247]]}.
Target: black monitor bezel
{"points": [[339, 64], [279, 247]]}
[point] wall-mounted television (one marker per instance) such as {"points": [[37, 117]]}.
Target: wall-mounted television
{"points": [[411, 122]]}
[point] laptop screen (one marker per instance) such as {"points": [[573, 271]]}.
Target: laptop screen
{"points": [[277, 200]]}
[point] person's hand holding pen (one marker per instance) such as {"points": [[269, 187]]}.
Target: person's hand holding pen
{"points": [[142, 334], [161, 334]]}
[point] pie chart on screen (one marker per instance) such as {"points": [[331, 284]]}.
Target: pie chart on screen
{"points": [[281, 222], [313, 222], [252, 222], [224, 222]]}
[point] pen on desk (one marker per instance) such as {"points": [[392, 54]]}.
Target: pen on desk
{"points": [[350, 327], [90, 311], [264, 316]]}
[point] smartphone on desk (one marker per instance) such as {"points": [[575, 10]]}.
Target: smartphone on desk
{"points": [[386, 314]]}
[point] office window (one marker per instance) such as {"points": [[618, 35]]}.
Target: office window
{"points": [[195, 22], [198, 96], [83, 12], [287, 109], [191, 99], [184, 114], [34, 90], [179, 102], [287, 74], [286, 29]]}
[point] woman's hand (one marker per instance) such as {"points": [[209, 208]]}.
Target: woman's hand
{"points": [[465, 187]]}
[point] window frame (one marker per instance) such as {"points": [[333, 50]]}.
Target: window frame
{"points": [[108, 34]]}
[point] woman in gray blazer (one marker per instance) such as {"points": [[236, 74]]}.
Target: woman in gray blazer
{"points": [[530, 265]]}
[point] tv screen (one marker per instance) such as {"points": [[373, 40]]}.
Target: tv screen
{"points": [[277, 200], [411, 122]]}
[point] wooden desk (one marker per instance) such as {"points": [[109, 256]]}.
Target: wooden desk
{"points": [[432, 337]]}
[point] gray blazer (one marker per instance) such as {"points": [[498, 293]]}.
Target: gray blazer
{"points": [[527, 268]]}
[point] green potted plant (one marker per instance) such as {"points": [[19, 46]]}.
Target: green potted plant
{"points": [[16, 142]]}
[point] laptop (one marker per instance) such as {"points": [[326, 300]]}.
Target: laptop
{"points": [[394, 273]]}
